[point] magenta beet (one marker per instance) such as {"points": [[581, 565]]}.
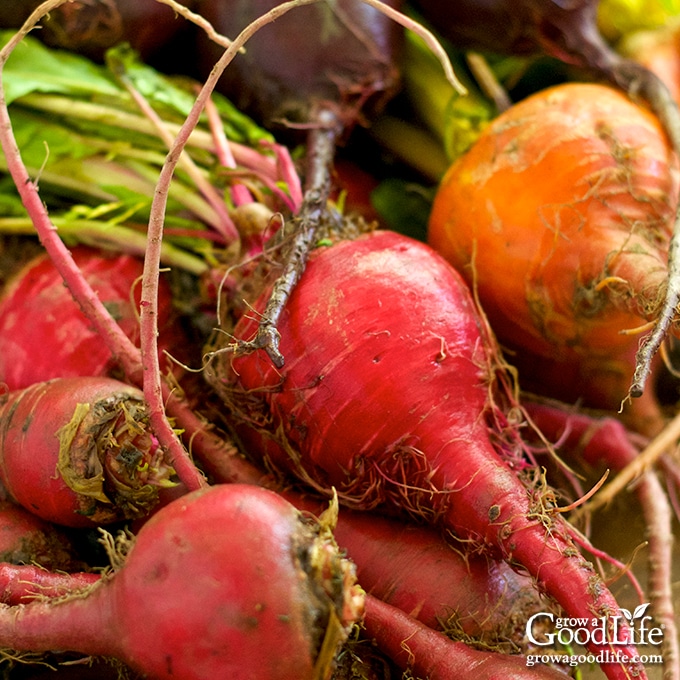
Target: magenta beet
{"points": [[386, 394], [226, 582], [43, 333]]}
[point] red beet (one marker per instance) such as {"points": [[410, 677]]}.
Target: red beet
{"points": [[386, 395], [428, 654], [227, 582], [27, 539], [78, 451], [413, 568], [38, 312]]}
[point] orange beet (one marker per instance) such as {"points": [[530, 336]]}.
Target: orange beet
{"points": [[562, 214]]}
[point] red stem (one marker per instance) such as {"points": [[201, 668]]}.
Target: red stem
{"points": [[239, 192], [430, 654], [288, 173], [224, 223], [606, 441], [20, 584], [72, 623], [219, 457], [119, 344], [153, 390]]}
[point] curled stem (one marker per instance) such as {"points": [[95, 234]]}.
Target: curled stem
{"points": [[652, 89], [119, 344], [225, 224], [325, 130], [641, 463]]}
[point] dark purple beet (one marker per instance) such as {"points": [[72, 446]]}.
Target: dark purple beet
{"points": [[343, 52], [566, 29], [90, 28], [487, 25]]}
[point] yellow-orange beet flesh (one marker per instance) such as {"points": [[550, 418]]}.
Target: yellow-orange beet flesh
{"points": [[562, 213]]}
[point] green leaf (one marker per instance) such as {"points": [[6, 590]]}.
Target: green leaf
{"points": [[33, 67], [177, 94], [10, 203], [457, 120], [123, 62], [96, 156], [40, 139], [405, 206]]}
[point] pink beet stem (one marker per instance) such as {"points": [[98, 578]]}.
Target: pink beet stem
{"points": [[120, 345], [240, 194], [605, 441], [76, 624], [23, 583], [430, 654]]}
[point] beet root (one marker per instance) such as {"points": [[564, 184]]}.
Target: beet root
{"points": [[388, 396], [79, 452], [228, 581], [345, 52]]}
